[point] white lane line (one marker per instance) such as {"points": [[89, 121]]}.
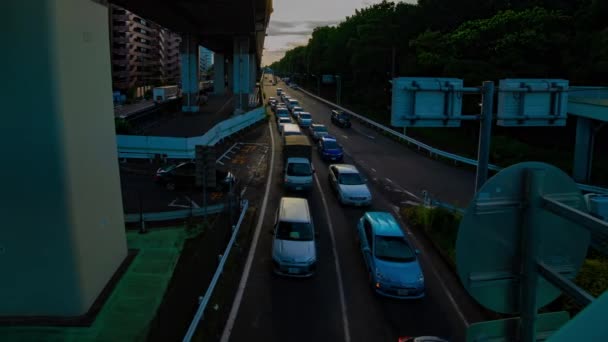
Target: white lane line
{"points": [[436, 274], [194, 205], [254, 243], [219, 162], [225, 153], [388, 180], [344, 136], [336, 262], [374, 170]]}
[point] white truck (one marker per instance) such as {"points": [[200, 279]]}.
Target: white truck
{"points": [[164, 94], [298, 170]]}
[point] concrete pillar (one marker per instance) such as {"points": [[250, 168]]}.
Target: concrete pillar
{"points": [[190, 74], [219, 87], [63, 233], [229, 73], [253, 76], [583, 150], [241, 66]]}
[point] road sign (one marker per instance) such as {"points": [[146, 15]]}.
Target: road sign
{"points": [[506, 330], [532, 102], [426, 102], [505, 227], [205, 166]]}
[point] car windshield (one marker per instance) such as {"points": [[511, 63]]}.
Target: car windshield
{"points": [[393, 248], [320, 129], [299, 169], [295, 231], [284, 120], [282, 111], [343, 116], [351, 179], [305, 116], [330, 145]]}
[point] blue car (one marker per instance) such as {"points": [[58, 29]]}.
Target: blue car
{"points": [[392, 263], [330, 149]]}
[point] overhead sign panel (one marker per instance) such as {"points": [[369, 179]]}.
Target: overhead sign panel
{"points": [[532, 102], [426, 102]]}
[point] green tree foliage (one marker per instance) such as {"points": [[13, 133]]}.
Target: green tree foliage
{"points": [[471, 39]]}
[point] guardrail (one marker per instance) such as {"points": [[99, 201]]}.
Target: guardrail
{"points": [[145, 147], [431, 150], [198, 316], [174, 214]]}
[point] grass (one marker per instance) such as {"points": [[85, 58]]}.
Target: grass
{"points": [[441, 226]]}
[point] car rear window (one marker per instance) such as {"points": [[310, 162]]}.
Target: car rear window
{"points": [[305, 116], [393, 248], [320, 129], [294, 231], [330, 145], [351, 179], [299, 169]]}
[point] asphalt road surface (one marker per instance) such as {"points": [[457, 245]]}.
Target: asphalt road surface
{"points": [[337, 304]]}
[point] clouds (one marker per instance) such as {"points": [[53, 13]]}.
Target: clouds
{"points": [[296, 28]]}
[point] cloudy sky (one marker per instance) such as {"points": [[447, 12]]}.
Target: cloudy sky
{"points": [[292, 22]]}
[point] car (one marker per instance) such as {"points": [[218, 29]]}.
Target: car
{"points": [[279, 91], [317, 131], [340, 118], [272, 98], [349, 185], [294, 86], [304, 119], [282, 121], [284, 97], [329, 149], [282, 112], [421, 339], [391, 261], [183, 176], [273, 104], [294, 250], [296, 109]]}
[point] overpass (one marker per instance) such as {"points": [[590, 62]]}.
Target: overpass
{"points": [[60, 136]]}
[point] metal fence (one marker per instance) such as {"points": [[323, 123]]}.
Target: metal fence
{"points": [[216, 276], [432, 151]]}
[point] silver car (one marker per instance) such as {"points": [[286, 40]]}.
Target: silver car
{"points": [[294, 251], [349, 185], [317, 131], [304, 119], [282, 121]]}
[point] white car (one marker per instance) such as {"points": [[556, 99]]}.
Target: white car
{"points": [[304, 119], [349, 185]]}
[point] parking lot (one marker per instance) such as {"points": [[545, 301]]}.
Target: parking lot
{"points": [[140, 192]]}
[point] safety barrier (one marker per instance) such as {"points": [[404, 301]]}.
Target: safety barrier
{"points": [[198, 316], [174, 214], [145, 147], [432, 151]]}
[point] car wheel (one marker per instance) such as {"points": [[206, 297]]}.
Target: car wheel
{"points": [[170, 186]]}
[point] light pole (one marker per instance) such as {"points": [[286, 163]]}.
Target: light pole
{"points": [[338, 88]]}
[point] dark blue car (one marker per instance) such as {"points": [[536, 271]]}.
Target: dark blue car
{"points": [[330, 149]]}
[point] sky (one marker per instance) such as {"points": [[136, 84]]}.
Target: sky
{"points": [[292, 22]]}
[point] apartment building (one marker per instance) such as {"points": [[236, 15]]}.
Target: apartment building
{"points": [[205, 57], [143, 53]]}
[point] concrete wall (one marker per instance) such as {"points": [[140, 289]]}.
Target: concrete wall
{"points": [[63, 231]]}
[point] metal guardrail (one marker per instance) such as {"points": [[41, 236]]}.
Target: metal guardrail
{"points": [[431, 150], [198, 316], [145, 147], [174, 214]]}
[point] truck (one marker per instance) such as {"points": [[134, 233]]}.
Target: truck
{"points": [[298, 170], [164, 94]]}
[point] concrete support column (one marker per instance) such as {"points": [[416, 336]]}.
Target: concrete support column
{"points": [[219, 87], [229, 73], [241, 69], [58, 252], [583, 150], [190, 74], [253, 76]]}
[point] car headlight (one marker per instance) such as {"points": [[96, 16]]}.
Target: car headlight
{"points": [[421, 279]]}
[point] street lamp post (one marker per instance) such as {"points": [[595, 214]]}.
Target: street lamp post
{"points": [[338, 89]]}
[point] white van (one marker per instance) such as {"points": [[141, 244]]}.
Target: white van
{"points": [[294, 250]]}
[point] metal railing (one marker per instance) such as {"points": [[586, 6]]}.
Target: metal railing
{"points": [[198, 316], [145, 147], [174, 214], [432, 151]]}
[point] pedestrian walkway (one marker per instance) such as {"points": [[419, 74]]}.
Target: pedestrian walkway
{"points": [[127, 313]]}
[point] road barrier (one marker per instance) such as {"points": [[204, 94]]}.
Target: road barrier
{"points": [[432, 151], [147, 147], [198, 316], [174, 214]]}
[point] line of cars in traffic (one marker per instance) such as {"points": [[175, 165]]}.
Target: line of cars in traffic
{"points": [[391, 261]]}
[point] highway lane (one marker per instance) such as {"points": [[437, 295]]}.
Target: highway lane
{"points": [[406, 170], [275, 308]]}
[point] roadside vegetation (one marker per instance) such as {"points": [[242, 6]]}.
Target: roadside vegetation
{"points": [[441, 227], [475, 40]]}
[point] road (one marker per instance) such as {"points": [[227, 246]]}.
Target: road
{"points": [[279, 309]]}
